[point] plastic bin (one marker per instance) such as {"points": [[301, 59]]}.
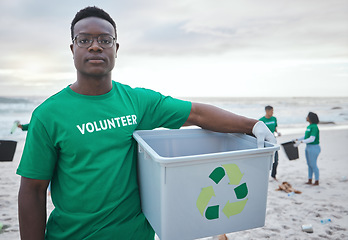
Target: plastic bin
{"points": [[290, 150], [196, 183], [7, 150]]}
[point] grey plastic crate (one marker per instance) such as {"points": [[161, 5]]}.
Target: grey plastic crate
{"points": [[196, 183]]}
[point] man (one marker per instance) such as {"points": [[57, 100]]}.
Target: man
{"points": [[80, 139], [271, 123]]}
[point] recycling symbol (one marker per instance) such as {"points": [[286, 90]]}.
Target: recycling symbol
{"points": [[230, 208]]}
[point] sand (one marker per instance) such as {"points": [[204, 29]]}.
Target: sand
{"points": [[284, 214]]}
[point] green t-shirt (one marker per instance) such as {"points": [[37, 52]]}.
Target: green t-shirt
{"points": [[271, 123], [25, 127], [84, 145], [312, 130]]}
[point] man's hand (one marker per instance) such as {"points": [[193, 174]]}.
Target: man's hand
{"points": [[262, 134]]}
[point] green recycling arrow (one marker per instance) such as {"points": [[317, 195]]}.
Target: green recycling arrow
{"points": [[241, 191], [212, 212], [204, 197], [233, 173], [234, 208], [217, 174]]}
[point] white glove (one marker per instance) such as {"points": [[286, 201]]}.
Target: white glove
{"points": [[297, 143], [262, 133]]}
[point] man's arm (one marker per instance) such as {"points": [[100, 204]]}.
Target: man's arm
{"points": [[24, 127], [216, 119], [32, 208], [276, 130]]}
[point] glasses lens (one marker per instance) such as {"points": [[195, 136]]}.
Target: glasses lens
{"points": [[84, 41], [106, 41]]}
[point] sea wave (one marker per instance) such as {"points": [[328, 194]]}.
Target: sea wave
{"points": [[290, 112]]}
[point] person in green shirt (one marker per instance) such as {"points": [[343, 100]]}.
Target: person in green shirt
{"points": [[271, 123], [81, 140], [311, 138]]}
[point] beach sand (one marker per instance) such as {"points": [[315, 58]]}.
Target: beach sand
{"points": [[284, 214]]}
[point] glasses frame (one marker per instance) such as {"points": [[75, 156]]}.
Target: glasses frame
{"points": [[94, 37]]}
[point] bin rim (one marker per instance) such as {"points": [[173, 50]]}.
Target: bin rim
{"points": [[288, 142], [269, 149], [3, 140]]}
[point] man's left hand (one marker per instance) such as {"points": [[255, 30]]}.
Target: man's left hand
{"points": [[262, 134]]}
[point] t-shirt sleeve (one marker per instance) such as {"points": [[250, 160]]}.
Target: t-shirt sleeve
{"points": [[161, 111], [25, 127], [39, 155]]}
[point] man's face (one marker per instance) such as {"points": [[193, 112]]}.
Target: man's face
{"points": [[269, 112], [94, 60]]}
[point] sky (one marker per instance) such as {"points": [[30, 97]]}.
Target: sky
{"points": [[186, 48]]}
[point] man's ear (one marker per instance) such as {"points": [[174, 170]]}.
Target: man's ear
{"points": [[117, 47], [72, 48]]}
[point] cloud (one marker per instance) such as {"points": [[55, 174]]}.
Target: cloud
{"points": [[192, 27], [209, 36]]}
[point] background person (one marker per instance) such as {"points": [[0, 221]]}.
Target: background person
{"points": [[311, 138], [271, 123]]}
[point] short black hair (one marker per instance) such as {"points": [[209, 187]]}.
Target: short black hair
{"points": [[313, 118], [268, 107], [91, 12]]}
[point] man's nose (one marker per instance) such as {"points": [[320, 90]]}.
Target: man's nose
{"points": [[95, 46]]}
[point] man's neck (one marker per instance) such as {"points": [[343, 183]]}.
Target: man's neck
{"points": [[92, 86]]}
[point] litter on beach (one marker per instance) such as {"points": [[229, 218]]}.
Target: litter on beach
{"points": [[286, 187]]}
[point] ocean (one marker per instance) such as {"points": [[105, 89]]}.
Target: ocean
{"points": [[290, 112]]}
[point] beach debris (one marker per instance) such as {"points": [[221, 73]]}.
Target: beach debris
{"points": [[344, 179], [325, 221], [308, 228], [14, 126], [220, 237], [286, 187], [290, 194]]}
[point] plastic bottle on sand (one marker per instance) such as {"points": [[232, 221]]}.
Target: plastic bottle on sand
{"points": [[290, 194], [325, 221], [307, 228]]}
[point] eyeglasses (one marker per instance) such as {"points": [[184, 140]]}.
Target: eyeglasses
{"points": [[86, 40]]}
